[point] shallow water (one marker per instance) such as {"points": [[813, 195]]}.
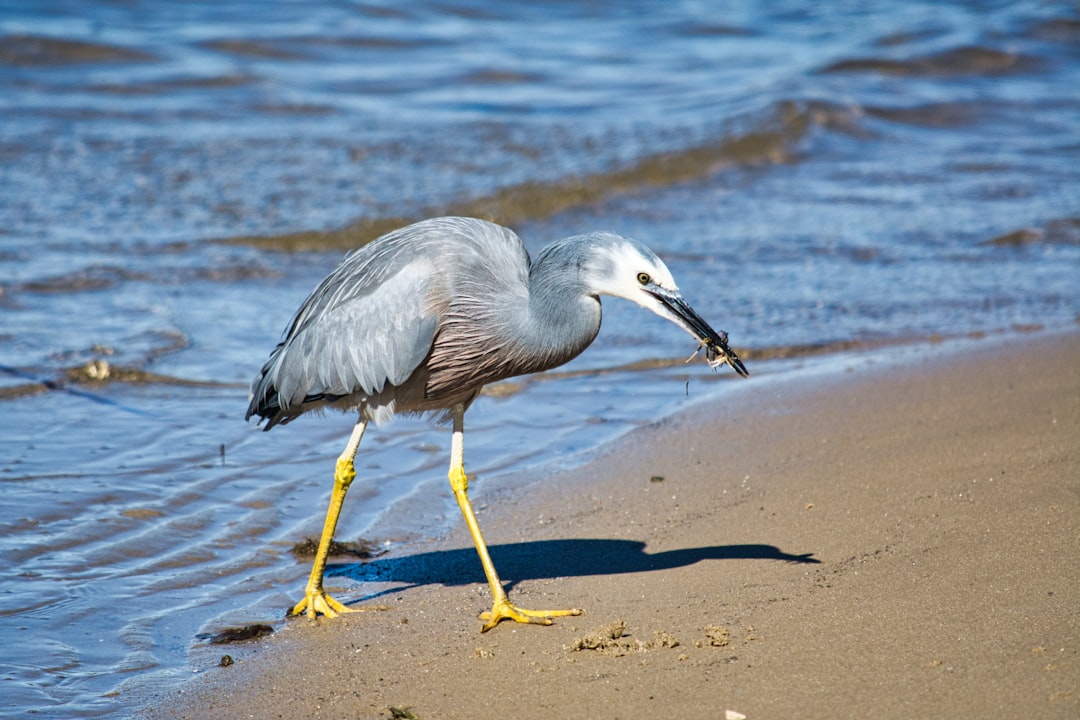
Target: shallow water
{"points": [[177, 176]]}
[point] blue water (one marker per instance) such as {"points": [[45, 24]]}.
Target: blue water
{"points": [[176, 177]]}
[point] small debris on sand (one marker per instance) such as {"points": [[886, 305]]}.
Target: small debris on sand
{"points": [[716, 636], [236, 634], [615, 641], [363, 549]]}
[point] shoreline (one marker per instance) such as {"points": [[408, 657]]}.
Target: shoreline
{"points": [[895, 538]]}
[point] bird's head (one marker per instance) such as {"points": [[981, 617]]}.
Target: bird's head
{"points": [[625, 268]]}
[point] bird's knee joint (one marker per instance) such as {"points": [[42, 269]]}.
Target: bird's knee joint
{"points": [[344, 473], [459, 481]]}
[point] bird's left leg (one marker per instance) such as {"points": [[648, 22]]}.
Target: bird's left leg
{"points": [[315, 598], [502, 608]]}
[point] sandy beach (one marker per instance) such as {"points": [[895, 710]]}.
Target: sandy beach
{"points": [[889, 540]]}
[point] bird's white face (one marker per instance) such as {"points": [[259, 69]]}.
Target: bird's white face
{"points": [[628, 273]]}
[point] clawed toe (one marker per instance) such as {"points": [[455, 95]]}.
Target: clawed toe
{"points": [[504, 610], [319, 603]]}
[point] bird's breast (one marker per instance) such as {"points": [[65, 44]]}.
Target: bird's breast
{"points": [[468, 355]]}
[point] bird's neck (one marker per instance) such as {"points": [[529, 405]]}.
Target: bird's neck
{"points": [[562, 318]]}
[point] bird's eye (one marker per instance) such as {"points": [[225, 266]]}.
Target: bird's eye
{"points": [[644, 278]]}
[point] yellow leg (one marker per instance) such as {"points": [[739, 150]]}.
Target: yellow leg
{"points": [[315, 598], [502, 608]]}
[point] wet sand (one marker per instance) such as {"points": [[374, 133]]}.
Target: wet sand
{"points": [[887, 542]]}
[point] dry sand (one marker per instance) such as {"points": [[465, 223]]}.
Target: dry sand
{"points": [[887, 541]]}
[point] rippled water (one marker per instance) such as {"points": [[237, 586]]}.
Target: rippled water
{"points": [[177, 176]]}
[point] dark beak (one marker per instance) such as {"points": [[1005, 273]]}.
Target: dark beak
{"points": [[717, 351]]}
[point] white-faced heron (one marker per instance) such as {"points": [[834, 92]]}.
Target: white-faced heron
{"points": [[422, 318]]}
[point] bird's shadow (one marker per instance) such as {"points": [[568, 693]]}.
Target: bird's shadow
{"points": [[546, 559]]}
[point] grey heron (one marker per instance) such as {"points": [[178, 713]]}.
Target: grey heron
{"points": [[422, 318]]}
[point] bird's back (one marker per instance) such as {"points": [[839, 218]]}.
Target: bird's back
{"points": [[364, 335]]}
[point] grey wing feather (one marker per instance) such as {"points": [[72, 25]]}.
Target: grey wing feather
{"points": [[366, 325], [359, 345]]}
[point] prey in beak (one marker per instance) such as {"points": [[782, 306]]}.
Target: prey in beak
{"points": [[715, 342]]}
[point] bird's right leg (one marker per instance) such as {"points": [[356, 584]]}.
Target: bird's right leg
{"points": [[315, 598], [501, 608]]}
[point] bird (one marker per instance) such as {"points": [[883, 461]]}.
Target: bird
{"points": [[419, 320]]}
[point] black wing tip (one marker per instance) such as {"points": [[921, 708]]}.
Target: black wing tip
{"points": [[269, 417], [267, 409]]}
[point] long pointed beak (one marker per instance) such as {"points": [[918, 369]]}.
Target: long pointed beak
{"points": [[717, 351]]}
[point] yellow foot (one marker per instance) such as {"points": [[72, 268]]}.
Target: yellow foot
{"points": [[504, 610], [319, 602]]}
